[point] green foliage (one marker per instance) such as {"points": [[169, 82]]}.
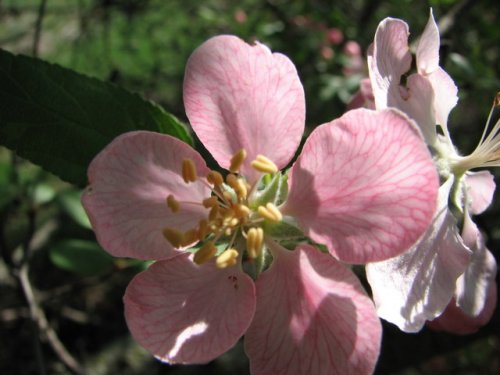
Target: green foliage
{"points": [[85, 258], [60, 119]]}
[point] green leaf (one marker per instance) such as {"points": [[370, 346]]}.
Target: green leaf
{"points": [[60, 119], [85, 258], [71, 204]]}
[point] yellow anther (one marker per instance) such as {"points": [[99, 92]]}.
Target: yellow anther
{"points": [[255, 240], [241, 211], [237, 161], [270, 212], [189, 173], [203, 229], [206, 252], [241, 190], [233, 222], [174, 236], [264, 165], [190, 237], [212, 215], [232, 180], [275, 211], [227, 259], [210, 202], [496, 101], [215, 178], [173, 204]]}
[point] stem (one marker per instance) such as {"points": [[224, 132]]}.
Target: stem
{"points": [[38, 27]]}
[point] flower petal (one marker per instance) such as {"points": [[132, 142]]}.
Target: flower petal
{"points": [[185, 313], [312, 317], [454, 319], [428, 48], [473, 286], [388, 59], [419, 105], [417, 286], [480, 189], [242, 96], [445, 96], [365, 186], [130, 180]]}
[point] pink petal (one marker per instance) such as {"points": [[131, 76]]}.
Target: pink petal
{"points": [[454, 320], [364, 97], [312, 317], [242, 96], [428, 48], [480, 188], [185, 313], [418, 104], [417, 286], [365, 186], [445, 96], [126, 198], [473, 286], [388, 59]]}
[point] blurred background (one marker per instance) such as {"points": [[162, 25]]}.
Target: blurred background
{"points": [[75, 289]]}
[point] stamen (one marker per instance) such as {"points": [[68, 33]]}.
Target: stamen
{"points": [[270, 212], [210, 202], [212, 215], [264, 165], [173, 204], [206, 253], [215, 178], [190, 237], [255, 240], [189, 173], [227, 259], [203, 229], [237, 161], [241, 211], [174, 236]]}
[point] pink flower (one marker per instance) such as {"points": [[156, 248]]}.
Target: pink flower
{"points": [[364, 186], [446, 263]]}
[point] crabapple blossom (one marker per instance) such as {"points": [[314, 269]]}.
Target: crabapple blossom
{"points": [[446, 264], [236, 251]]}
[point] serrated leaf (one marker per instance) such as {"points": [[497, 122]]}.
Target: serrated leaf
{"points": [[85, 258], [60, 119]]}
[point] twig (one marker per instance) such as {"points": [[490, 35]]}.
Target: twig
{"points": [[39, 317], [38, 27]]}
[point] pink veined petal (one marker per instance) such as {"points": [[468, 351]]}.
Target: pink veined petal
{"points": [[312, 317], [473, 286], [388, 59], [185, 313], [365, 186], [428, 48], [418, 104], [445, 96], [129, 182], [454, 320], [242, 96], [480, 189], [417, 286]]}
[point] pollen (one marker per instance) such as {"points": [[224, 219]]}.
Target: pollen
{"points": [[215, 178], [237, 161], [270, 212], [173, 204], [264, 165], [206, 252], [255, 240], [174, 236], [227, 259], [189, 173]]}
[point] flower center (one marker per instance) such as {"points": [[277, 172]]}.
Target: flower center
{"points": [[487, 152], [232, 214]]}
